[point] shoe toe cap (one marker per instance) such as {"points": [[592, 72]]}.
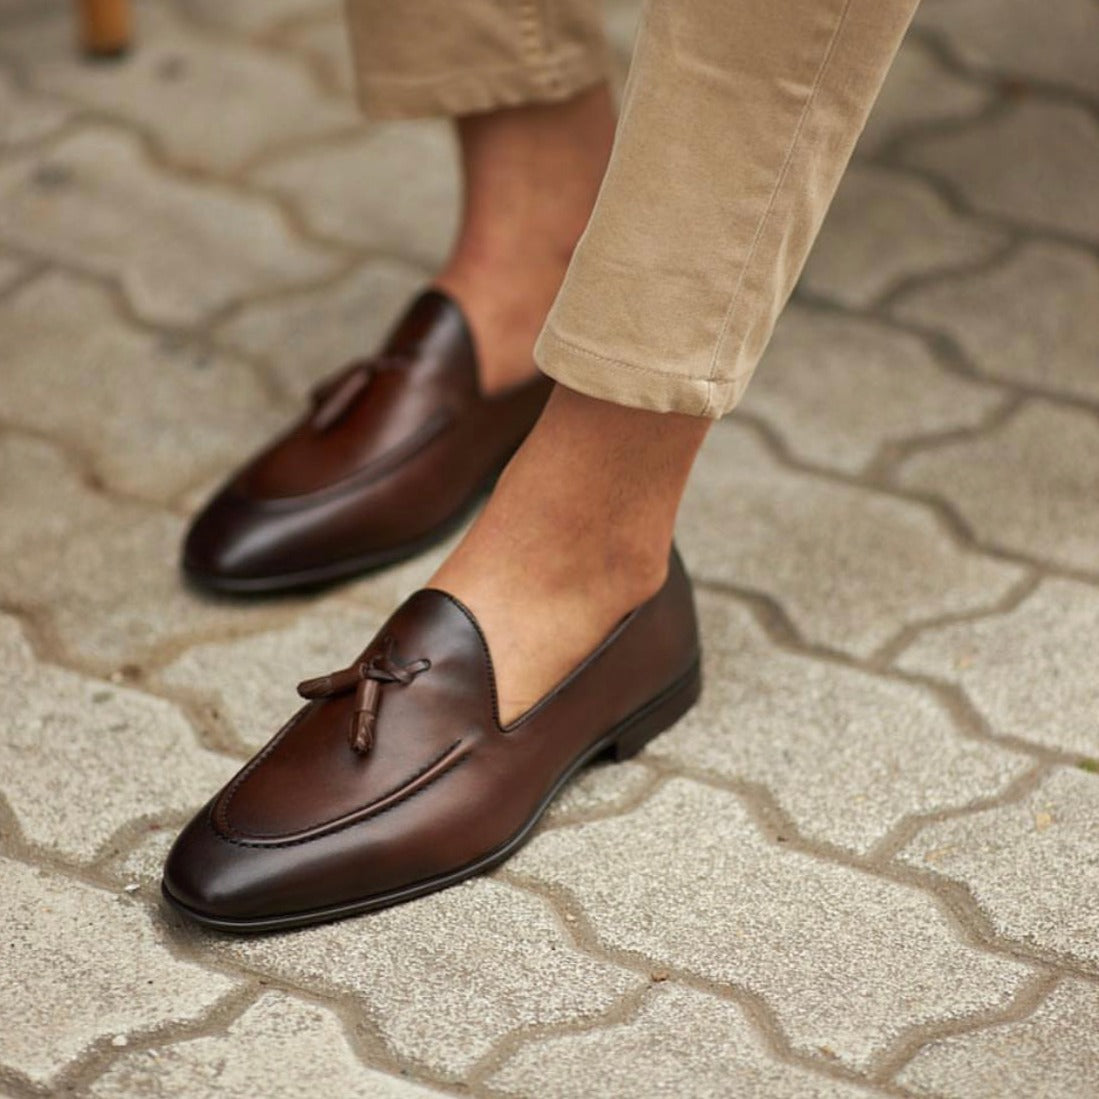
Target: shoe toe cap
{"points": [[212, 878], [232, 539]]}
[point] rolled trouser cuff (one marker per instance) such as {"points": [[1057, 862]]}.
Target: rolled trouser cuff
{"points": [[633, 384], [420, 58], [391, 97]]}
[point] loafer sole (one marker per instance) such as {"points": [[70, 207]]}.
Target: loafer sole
{"points": [[623, 742]]}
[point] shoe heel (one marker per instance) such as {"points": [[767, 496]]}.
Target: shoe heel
{"points": [[660, 714]]}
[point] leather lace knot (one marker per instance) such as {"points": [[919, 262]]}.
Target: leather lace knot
{"points": [[365, 678], [333, 398]]}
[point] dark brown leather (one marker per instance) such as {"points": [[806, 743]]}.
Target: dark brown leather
{"points": [[316, 827], [390, 457]]}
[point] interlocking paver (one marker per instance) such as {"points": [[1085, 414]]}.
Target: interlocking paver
{"points": [[345, 191], [1029, 486], [325, 42], [919, 90], [78, 967], [107, 173], [198, 247], [443, 979], [179, 81], [156, 414], [1035, 164], [884, 227], [1030, 865], [838, 388], [1054, 44], [850, 567], [250, 681], [25, 116], [1029, 672], [622, 19], [847, 755], [689, 1044], [11, 270], [134, 754], [255, 15], [102, 571], [1031, 321], [846, 961], [600, 789], [280, 1048], [307, 335], [1051, 1054]]}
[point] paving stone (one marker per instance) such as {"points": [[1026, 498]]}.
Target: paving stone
{"points": [[918, 90], [27, 117], [622, 18], [103, 571], [884, 227], [135, 755], [849, 566], [200, 246], [96, 969], [1053, 43], [255, 15], [325, 43], [846, 961], [393, 191], [1029, 486], [160, 413], [599, 789], [11, 270], [1031, 865], [305, 336], [138, 868], [1035, 164], [682, 1042], [444, 978], [280, 1048], [1049, 1055], [847, 755], [1029, 672], [180, 81], [838, 388], [387, 589], [250, 682], [1031, 320]]}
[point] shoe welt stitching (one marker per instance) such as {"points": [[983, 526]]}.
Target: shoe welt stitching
{"points": [[398, 796]]}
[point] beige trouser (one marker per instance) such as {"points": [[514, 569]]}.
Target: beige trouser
{"points": [[738, 120]]}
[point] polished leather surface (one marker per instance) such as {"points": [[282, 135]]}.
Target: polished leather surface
{"points": [[316, 827], [391, 455]]}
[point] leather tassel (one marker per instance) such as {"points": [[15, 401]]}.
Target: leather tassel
{"points": [[367, 698], [362, 731], [325, 685]]}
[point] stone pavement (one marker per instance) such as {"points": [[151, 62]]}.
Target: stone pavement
{"points": [[867, 864]]}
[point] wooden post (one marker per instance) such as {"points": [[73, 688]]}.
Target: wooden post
{"points": [[106, 26]]}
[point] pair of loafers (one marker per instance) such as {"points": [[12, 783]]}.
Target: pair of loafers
{"points": [[396, 777]]}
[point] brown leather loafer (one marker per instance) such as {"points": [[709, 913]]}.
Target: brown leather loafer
{"points": [[393, 454], [397, 779]]}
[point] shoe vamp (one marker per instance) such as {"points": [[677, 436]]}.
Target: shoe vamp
{"points": [[392, 416]]}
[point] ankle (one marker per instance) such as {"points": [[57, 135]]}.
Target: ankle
{"points": [[531, 177]]}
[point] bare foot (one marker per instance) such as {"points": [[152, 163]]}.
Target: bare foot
{"points": [[531, 175], [576, 535]]}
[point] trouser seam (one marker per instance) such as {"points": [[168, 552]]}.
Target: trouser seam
{"points": [[780, 179]]}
